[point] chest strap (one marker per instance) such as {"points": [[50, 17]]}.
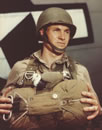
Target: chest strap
{"points": [[35, 67]]}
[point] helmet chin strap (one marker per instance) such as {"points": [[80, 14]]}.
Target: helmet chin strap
{"points": [[54, 48]]}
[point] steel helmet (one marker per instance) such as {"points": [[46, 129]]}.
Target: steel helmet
{"points": [[55, 15]]}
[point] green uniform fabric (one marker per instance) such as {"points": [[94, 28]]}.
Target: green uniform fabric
{"points": [[57, 105], [50, 108]]}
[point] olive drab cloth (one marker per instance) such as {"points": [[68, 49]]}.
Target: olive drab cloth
{"points": [[19, 69], [47, 97], [63, 101]]}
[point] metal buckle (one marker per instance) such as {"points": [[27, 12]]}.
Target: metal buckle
{"points": [[7, 117]]}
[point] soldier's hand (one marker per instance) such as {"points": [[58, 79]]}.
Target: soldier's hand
{"points": [[5, 102], [91, 98]]}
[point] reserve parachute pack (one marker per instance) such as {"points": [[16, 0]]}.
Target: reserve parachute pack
{"points": [[59, 106], [56, 105]]}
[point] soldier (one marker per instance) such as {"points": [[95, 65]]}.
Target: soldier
{"points": [[49, 85]]}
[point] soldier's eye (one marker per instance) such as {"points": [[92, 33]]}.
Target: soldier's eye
{"points": [[67, 31]]}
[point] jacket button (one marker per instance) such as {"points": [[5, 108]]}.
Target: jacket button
{"points": [[54, 96]]}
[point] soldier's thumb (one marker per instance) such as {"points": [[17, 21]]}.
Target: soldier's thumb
{"points": [[7, 91]]}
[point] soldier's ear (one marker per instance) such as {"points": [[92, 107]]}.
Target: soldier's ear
{"points": [[42, 32]]}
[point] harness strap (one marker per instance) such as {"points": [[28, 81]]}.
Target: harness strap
{"points": [[35, 66]]}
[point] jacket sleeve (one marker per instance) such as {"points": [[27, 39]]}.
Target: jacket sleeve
{"points": [[83, 74], [16, 74]]}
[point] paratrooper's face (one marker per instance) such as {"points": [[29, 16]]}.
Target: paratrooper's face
{"points": [[58, 35]]}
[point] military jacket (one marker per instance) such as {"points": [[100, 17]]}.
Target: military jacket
{"points": [[23, 72], [19, 69]]}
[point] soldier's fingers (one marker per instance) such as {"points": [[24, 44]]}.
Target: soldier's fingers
{"points": [[88, 94], [4, 111], [5, 106], [7, 91], [5, 100], [91, 108], [89, 101], [89, 88], [93, 115]]}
